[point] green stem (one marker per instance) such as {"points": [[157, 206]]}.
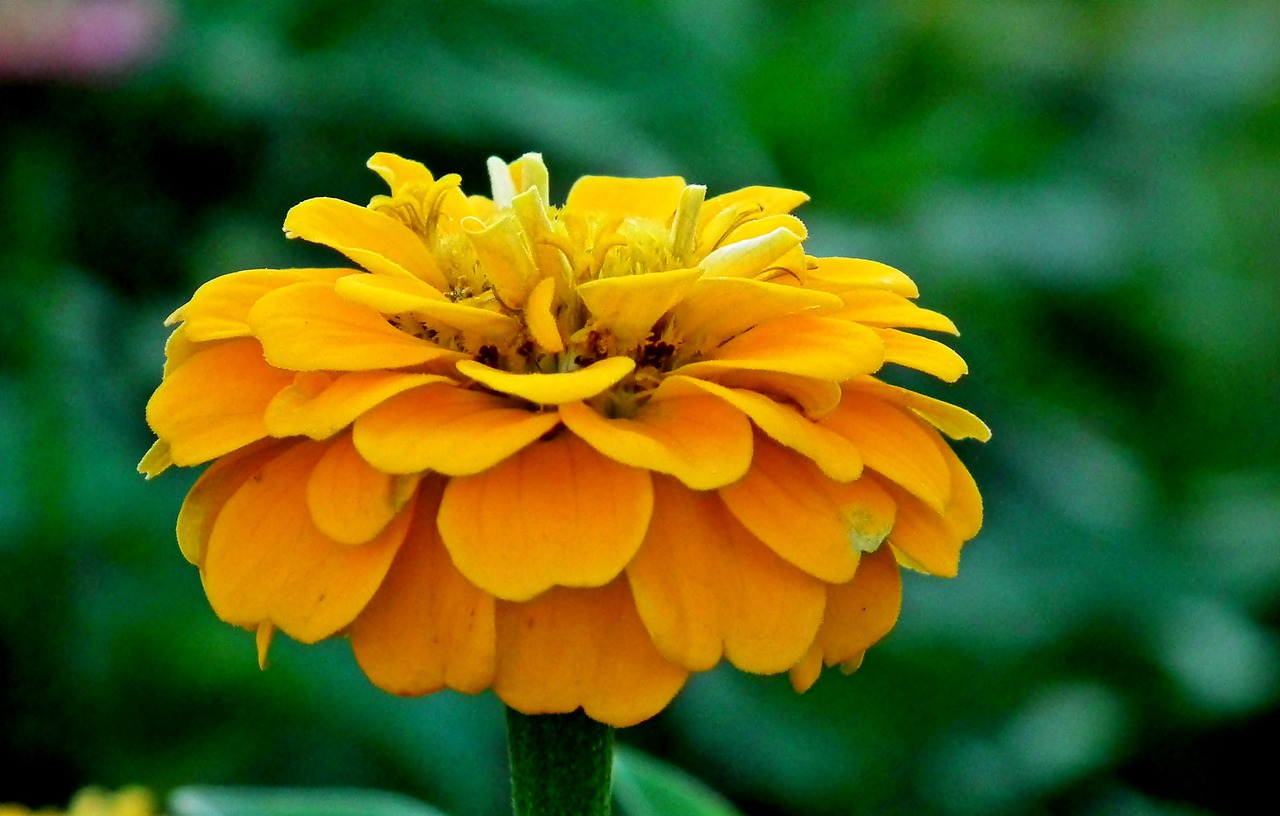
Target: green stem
{"points": [[561, 764]]}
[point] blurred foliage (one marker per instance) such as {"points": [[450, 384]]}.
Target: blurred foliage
{"points": [[1088, 188]]}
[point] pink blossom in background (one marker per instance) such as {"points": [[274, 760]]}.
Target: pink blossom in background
{"points": [[79, 39]]}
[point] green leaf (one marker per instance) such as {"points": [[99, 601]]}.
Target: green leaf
{"points": [[217, 801], [644, 786]]}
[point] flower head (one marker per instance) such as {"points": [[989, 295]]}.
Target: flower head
{"points": [[568, 453]]}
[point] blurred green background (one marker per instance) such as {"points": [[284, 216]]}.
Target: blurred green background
{"points": [[1089, 189]]}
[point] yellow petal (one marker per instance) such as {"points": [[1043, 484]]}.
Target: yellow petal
{"points": [[309, 327], [582, 648], [654, 198], [220, 308], [504, 257], [748, 258], [179, 348], [376, 241], [704, 586], [540, 317], [837, 457], [886, 309], [557, 513], [398, 172], [319, 404], [815, 397], [896, 444], [386, 294], [843, 274], [807, 345], [551, 389], [964, 511], [862, 611], [751, 202], [629, 305], [922, 354], [820, 525], [920, 534], [266, 561], [701, 440], [720, 308], [447, 429], [427, 628], [216, 485], [214, 402], [350, 500], [156, 460], [952, 420]]}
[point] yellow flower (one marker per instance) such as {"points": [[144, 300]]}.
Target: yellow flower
{"points": [[568, 453], [95, 802]]}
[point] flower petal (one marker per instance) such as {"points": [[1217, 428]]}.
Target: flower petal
{"points": [[654, 198], [886, 309], [576, 648], [213, 402], [820, 525], [629, 305], [350, 500], [451, 430], [896, 444], [922, 354], [551, 389], [858, 614], [385, 294], [701, 440], [749, 257], [807, 345], [720, 308], [837, 456], [398, 172], [427, 628], [266, 561], [815, 397], [964, 511], [213, 489], [376, 241], [540, 317], [750, 203], [220, 308], [557, 513], [504, 255], [319, 404], [705, 586], [921, 538], [309, 327], [844, 274], [952, 420]]}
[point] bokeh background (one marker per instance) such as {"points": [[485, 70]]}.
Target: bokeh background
{"points": [[1090, 189]]}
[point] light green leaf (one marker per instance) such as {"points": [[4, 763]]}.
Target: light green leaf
{"points": [[644, 786], [217, 801]]}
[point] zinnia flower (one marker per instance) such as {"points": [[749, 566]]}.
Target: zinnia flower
{"points": [[568, 453]]}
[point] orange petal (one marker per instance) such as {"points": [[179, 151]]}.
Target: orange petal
{"points": [[921, 538], [319, 404], [309, 327], [844, 274], [701, 440], [214, 401], [894, 443], [815, 397], [922, 354], [576, 648], [654, 198], [705, 586], [964, 511], [211, 491], [376, 241], [820, 525], [386, 294], [802, 344], [427, 628], [886, 309], [552, 389], [220, 308], [444, 428], [861, 612], [557, 513], [837, 456], [952, 420], [179, 348], [350, 500], [266, 561]]}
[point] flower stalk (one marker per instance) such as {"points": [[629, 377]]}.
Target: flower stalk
{"points": [[561, 764]]}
